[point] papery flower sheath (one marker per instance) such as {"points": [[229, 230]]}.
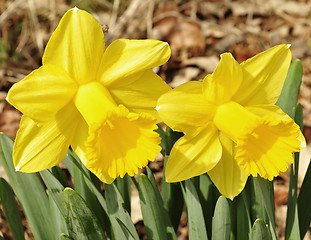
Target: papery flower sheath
{"points": [[100, 102], [233, 129]]}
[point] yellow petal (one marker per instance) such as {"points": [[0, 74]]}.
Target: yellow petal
{"points": [[185, 108], [125, 57], [220, 86], [227, 175], [78, 146], [268, 150], [42, 93], [278, 114], [94, 102], [141, 95], [78, 142], [77, 45], [194, 154], [264, 76], [121, 144], [234, 120], [264, 144], [41, 147]]}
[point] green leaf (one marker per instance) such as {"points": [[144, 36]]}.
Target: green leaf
{"points": [[303, 202], [299, 116], [260, 231], [116, 209], [86, 184], [63, 236], [196, 223], [155, 217], [222, 227], [288, 102], [58, 173], [258, 209], [11, 211], [289, 95], [162, 134], [243, 218], [173, 200], [292, 230], [59, 225], [81, 221], [55, 190], [171, 138], [208, 195], [83, 189], [299, 121], [264, 196], [124, 187], [111, 225], [154, 184], [169, 228], [27, 187]]}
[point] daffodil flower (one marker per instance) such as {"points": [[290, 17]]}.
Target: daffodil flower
{"points": [[233, 129], [100, 102]]}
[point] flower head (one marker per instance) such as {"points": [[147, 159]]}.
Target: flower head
{"points": [[100, 102], [233, 129]]}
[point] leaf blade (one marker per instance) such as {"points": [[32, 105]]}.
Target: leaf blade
{"points": [[81, 222], [222, 225], [11, 211], [37, 212], [196, 222]]}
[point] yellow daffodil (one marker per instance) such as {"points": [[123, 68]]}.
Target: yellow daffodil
{"points": [[100, 102], [233, 129]]}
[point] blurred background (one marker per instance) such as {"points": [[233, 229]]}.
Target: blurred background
{"points": [[197, 31]]}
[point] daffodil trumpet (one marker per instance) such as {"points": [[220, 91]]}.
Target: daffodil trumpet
{"points": [[233, 129], [98, 101]]}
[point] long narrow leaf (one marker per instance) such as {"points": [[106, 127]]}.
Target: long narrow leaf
{"points": [[59, 174], [30, 192], [163, 143], [263, 195], [115, 204], [83, 189], [154, 215], [292, 230], [243, 218], [260, 231], [55, 188], [111, 225], [124, 187], [11, 211], [196, 222], [154, 184], [303, 202], [173, 200], [54, 184], [208, 195], [169, 227], [81, 222], [222, 220], [85, 186], [290, 91], [64, 236], [171, 138], [59, 225]]}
